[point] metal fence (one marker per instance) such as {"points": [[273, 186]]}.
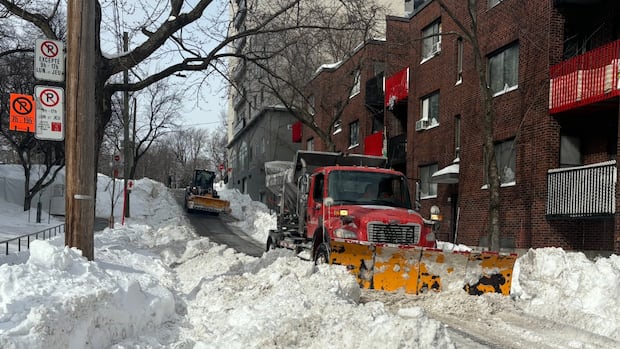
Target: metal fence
{"points": [[18, 243], [585, 191]]}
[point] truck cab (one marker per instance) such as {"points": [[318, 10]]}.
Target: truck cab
{"points": [[365, 204]]}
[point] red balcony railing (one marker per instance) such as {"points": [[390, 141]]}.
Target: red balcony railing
{"points": [[585, 79]]}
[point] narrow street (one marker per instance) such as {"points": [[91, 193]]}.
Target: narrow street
{"points": [[220, 229]]}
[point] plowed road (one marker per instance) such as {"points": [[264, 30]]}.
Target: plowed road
{"points": [[220, 229]]}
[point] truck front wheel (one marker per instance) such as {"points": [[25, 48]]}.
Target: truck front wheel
{"points": [[322, 254]]}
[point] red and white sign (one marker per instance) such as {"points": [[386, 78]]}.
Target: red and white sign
{"points": [[50, 120], [129, 184], [49, 60]]}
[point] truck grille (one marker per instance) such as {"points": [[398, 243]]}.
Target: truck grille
{"points": [[394, 233]]}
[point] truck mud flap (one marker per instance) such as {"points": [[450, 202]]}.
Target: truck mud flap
{"points": [[417, 270]]}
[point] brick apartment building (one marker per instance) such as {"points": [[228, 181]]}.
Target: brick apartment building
{"points": [[553, 68]]}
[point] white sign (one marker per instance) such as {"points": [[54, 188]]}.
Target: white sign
{"points": [[50, 117], [49, 60]]}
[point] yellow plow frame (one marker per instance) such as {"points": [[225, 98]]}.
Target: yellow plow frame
{"points": [[418, 270], [210, 204]]}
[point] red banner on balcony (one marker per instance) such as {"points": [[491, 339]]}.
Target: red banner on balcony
{"points": [[296, 132], [373, 144], [397, 88]]}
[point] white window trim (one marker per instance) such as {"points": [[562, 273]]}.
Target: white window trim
{"points": [[506, 90]]}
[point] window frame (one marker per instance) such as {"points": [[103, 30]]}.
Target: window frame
{"points": [[426, 173], [497, 61], [354, 133], [310, 143], [426, 109], [431, 37], [357, 83], [501, 148], [459, 61]]}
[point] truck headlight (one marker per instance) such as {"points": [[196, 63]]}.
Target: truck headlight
{"points": [[345, 234]]}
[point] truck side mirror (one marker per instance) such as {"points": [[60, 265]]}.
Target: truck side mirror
{"points": [[417, 204]]}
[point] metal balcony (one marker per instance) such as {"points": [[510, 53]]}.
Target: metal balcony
{"points": [[584, 191], [585, 79]]}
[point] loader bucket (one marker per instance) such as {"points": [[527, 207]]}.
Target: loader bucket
{"points": [[418, 270]]}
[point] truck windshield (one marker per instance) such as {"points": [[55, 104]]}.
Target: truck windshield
{"points": [[368, 188]]}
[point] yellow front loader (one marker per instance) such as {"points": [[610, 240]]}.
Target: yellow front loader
{"points": [[202, 196]]}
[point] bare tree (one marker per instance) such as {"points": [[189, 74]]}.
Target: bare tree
{"points": [[288, 60]]}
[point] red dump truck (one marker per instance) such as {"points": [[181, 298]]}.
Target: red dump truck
{"points": [[349, 209]]}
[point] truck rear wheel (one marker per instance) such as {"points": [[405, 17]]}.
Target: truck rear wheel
{"points": [[322, 254]]}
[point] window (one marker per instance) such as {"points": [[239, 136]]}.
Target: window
{"points": [[427, 189], [355, 89], [457, 137], [310, 144], [354, 130], [459, 61], [243, 156], [505, 156], [570, 151], [311, 105], [504, 70], [431, 44], [429, 109], [337, 126], [494, 2]]}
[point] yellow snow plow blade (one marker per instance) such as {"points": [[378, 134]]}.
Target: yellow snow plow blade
{"points": [[209, 204], [418, 270]]}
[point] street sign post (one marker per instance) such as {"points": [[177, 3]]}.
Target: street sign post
{"points": [[50, 118], [49, 60]]}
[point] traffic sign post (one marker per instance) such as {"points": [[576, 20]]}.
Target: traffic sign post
{"points": [[21, 113], [49, 60], [50, 118]]}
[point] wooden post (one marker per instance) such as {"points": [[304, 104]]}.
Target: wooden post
{"points": [[80, 133]]}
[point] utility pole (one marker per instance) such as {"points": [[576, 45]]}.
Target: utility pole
{"points": [[126, 147], [80, 130]]}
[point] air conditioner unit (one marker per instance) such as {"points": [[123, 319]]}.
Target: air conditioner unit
{"points": [[422, 125], [436, 48]]}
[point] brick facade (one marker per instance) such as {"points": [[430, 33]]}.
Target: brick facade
{"points": [[521, 115]]}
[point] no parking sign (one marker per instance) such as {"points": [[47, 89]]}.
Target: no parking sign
{"points": [[50, 118]]}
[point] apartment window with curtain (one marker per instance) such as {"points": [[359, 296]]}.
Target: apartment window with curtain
{"points": [[505, 156], [431, 44], [354, 131], [427, 189], [429, 109], [504, 70]]}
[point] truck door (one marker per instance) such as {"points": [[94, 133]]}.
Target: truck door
{"points": [[314, 210]]}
